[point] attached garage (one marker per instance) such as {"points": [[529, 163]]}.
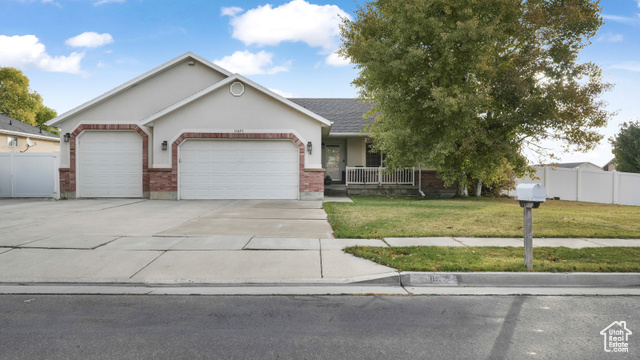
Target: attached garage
{"points": [[109, 164], [189, 129], [238, 169]]}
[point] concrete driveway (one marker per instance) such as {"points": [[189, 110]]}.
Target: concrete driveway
{"points": [[29, 221], [142, 241]]}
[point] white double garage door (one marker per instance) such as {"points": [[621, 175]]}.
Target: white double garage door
{"points": [[110, 165]]}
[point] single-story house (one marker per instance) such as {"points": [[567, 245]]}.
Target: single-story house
{"points": [[190, 129], [578, 165], [18, 136], [610, 166]]}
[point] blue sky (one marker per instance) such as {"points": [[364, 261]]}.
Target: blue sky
{"points": [[75, 50]]}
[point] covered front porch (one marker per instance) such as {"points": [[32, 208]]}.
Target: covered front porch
{"points": [[351, 165], [352, 168], [361, 180]]}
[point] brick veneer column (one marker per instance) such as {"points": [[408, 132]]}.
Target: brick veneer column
{"points": [[68, 175]]}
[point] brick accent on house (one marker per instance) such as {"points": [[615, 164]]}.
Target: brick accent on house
{"points": [[68, 185], [431, 185], [162, 183], [431, 181]]}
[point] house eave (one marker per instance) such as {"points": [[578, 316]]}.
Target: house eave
{"points": [[349, 134], [36, 136]]}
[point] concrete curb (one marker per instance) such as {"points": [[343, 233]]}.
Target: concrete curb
{"points": [[510, 279]]}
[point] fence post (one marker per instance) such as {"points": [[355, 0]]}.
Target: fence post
{"points": [[616, 190], [380, 175], [578, 180], [12, 172]]}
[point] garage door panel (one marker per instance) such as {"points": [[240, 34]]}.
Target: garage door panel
{"points": [[228, 169], [109, 164]]}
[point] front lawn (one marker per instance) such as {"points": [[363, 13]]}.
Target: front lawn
{"points": [[463, 259], [378, 217]]}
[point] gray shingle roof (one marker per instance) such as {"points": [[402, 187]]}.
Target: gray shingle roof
{"points": [[570, 165], [9, 124], [346, 114]]}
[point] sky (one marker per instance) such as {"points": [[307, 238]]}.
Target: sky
{"points": [[76, 50]]}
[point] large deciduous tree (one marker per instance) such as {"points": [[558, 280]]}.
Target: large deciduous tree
{"points": [[17, 101], [626, 147], [463, 85]]}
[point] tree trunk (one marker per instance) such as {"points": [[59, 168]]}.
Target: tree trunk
{"points": [[478, 190], [461, 190], [461, 186]]}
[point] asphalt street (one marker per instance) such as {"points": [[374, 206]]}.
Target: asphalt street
{"points": [[312, 327]]}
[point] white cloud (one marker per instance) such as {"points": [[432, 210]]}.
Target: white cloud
{"points": [[248, 63], [628, 66], [284, 94], [90, 39], [102, 2], [610, 37], [336, 60], [27, 50], [315, 25], [230, 11], [67, 64], [622, 19]]}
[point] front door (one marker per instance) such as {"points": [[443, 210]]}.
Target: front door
{"points": [[333, 162]]}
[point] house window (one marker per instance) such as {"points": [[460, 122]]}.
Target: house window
{"points": [[374, 159], [12, 141]]}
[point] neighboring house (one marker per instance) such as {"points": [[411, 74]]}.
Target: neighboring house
{"points": [[578, 165], [18, 136], [610, 166], [189, 129]]}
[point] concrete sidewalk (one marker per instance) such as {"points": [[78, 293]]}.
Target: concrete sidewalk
{"points": [[186, 260], [221, 259]]}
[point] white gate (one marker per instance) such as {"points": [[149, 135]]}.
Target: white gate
{"points": [[29, 175]]}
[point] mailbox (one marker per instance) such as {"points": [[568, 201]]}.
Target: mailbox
{"points": [[530, 197], [530, 193]]}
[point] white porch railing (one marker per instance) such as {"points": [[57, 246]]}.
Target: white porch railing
{"points": [[378, 176]]}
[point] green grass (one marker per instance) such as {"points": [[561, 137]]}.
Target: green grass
{"points": [[378, 217], [504, 259]]}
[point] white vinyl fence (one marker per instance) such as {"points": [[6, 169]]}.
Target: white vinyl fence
{"points": [[607, 187], [29, 174]]}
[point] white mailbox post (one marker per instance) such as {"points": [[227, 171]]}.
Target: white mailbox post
{"points": [[530, 197]]}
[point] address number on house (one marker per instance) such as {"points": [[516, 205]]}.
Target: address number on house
{"points": [[238, 130]]}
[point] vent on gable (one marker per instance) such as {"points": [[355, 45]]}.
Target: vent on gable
{"points": [[236, 88]]}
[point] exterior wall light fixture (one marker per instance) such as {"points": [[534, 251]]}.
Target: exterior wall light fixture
{"points": [[67, 136], [309, 147], [164, 145]]}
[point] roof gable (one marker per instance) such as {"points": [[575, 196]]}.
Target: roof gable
{"points": [[136, 81], [236, 77]]}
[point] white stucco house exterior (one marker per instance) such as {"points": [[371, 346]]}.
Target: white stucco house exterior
{"points": [[189, 129]]}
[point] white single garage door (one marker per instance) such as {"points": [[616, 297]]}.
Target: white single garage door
{"points": [[109, 164], [238, 169]]}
